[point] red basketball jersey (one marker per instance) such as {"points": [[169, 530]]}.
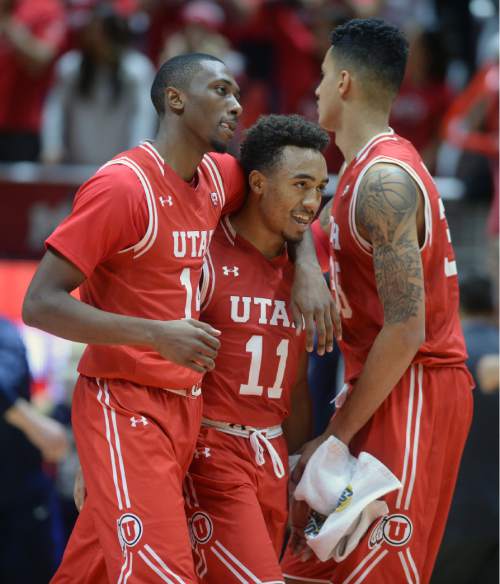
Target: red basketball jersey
{"points": [[353, 277], [140, 233], [247, 297]]}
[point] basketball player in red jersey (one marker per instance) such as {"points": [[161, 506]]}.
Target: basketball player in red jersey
{"points": [[236, 488], [134, 244], [408, 392]]}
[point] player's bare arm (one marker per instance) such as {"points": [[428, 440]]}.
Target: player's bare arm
{"points": [[324, 216], [312, 300], [49, 305], [386, 215], [297, 427]]}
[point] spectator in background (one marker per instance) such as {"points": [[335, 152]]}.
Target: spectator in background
{"points": [[472, 125], [469, 552], [424, 97], [28, 518], [31, 35], [99, 104]]}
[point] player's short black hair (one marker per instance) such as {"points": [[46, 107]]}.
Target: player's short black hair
{"points": [[176, 72], [375, 48], [265, 140], [476, 294]]}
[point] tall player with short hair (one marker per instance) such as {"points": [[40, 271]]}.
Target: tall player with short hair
{"points": [[395, 281], [236, 488], [134, 244]]}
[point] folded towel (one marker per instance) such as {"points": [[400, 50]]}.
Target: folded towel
{"points": [[343, 491]]}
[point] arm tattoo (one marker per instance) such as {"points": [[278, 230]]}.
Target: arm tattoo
{"points": [[386, 209]]}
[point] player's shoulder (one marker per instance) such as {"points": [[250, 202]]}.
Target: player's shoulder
{"points": [[227, 165], [113, 180]]}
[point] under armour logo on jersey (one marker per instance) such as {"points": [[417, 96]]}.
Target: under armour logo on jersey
{"points": [[214, 198], [134, 421], [166, 201], [202, 452], [234, 270]]}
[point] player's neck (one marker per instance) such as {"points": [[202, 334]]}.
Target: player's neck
{"points": [[181, 153], [248, 224], [355, 133]]}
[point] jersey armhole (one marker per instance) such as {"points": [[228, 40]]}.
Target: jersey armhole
{"points": [[361, 241], [207, 282], [147, 241]]}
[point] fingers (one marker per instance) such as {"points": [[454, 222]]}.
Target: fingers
{"points": [[195, 367], [309, 327], [297, 473], [321, 330], [209, 341], [337, 323], [329, 329], [206, 327], [297, 318]]}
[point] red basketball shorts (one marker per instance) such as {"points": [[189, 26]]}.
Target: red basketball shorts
{"points": [[237, 510], [135, 445], [419, 432]]}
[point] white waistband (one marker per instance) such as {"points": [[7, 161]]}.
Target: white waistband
{"points": [[259, 437], [241, 430]]}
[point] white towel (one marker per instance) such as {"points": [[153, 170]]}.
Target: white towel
{"points": [[343, 490]]}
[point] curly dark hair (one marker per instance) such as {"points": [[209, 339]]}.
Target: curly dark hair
{"points": [[265, 140], [375, 48], [176, 72]]}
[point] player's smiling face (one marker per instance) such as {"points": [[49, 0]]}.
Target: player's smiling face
{"points": [[291, 192], [212, 106]]}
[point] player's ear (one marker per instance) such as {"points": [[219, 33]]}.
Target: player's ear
{"points": [[256, 180], [174, 100], [345, 82]]}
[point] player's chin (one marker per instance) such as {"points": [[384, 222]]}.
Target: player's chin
{"points": [[293, 236], [219, 145]]}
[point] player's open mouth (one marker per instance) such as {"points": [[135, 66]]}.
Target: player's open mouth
{"points": [[302, 220]]}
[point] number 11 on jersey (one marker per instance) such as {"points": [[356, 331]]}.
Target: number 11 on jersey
{"points": [[252, 387]]}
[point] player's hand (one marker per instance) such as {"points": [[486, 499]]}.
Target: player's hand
{"points": [[79, 490], [299, 515], [190, 343], [52, 440], [306, 452], [312, 302]]}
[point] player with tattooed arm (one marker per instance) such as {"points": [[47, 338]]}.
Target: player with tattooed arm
{"points": [[394, 278]]}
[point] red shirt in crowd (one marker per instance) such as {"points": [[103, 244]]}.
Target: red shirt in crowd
{"points": [[22, 89]]}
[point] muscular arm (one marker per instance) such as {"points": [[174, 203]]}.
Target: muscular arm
{"points": [[297, 426], [386, 215], [48, 305]]}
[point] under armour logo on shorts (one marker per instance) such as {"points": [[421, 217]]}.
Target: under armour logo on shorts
{"points": [[142, 420]]}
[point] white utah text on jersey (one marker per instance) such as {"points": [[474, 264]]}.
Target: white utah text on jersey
{"points": [[272, 312]]}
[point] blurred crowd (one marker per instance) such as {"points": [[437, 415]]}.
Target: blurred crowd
{"points": [[71, 68], [75, 77]]}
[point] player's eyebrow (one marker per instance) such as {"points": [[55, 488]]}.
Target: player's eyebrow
{"points": [[309, 177]]}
